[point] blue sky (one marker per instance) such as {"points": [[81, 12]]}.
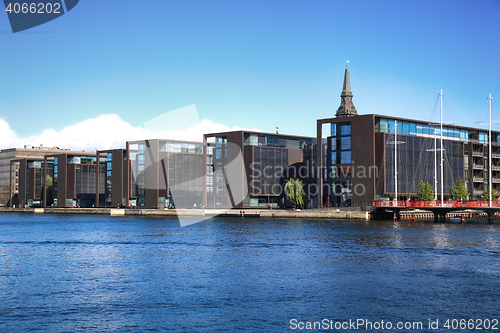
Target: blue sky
{"points": [[250, 64]]}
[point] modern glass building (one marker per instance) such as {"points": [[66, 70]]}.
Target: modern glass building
{"points": [[20, 170], [359, 164], [76, 179], [251, 167], [168, 173], [117, 178]]}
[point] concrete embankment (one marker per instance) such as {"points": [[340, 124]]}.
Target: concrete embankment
{"points": [[273, 213]]}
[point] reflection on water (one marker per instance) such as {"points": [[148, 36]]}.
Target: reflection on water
{"points": [[97, 273]]}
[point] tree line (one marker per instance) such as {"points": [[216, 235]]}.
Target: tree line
{"points": [[458, 192]]}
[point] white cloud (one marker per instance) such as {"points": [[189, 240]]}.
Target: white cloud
{"points": [[105, 132], [8, 138]]}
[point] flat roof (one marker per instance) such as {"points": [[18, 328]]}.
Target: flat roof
{"points": [[261, 133], [340, 119]]}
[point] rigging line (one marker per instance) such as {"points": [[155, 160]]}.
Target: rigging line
{"points": [[494, 111], [447, 109], [434, 110], [482, 110]]}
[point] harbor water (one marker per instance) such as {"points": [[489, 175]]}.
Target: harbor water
{"points": [[85, 273]]}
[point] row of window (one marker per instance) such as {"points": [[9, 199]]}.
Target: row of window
{"points": [[252, 139], [181, 147], [417, 129], [343, 143], [341, 157], [341, 129]]}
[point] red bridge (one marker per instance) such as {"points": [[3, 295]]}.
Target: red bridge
{"points": [[437, 203], [440, 208]]}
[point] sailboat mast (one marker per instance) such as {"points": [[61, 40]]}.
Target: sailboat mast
{"points": [[441, 124], [396, 162], [435, 167], [489, 151]]}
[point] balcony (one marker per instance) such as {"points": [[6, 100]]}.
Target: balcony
{"points": [[478, 167], [495, 167], [477, 153], [495, 180], [478, 179], [495, 155]]}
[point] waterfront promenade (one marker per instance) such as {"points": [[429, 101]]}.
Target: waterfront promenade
{"points": [[270, 213]]}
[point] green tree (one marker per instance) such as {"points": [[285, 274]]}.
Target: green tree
{"points": [[425, 193], [48, 186], [459, 191], [294, 191], [486, 194]]}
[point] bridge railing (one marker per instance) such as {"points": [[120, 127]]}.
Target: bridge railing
{"points": [[437, 203]]}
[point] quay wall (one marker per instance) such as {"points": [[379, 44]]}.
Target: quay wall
{"points": [[317, 214]]}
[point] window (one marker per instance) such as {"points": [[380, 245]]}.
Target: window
{"points": [[334, 158], [218, 141], [483, 137], [334, 143], [334, 129], [345, 129], [140, 159], [413, 129], [384, 126], [420, 129], [391, 124], [464, 135], [345, 143], [345, 157], [405, 128]]}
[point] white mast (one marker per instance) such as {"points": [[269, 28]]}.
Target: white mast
{"points": [[396, 162], [489, 151], [435, 167], [441, 124]]}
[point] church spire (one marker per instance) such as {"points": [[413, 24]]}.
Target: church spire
{"points": [[346, 107]]}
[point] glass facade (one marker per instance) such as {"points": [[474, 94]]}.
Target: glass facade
{"points": [[339, 165], [171, 175], [109, 181], [180, 147], [268, 167], [416, 158], [425, 130], [269, 140]]}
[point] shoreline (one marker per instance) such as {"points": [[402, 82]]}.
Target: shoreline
{"points": [[319, 214]]}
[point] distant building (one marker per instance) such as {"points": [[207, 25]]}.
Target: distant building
{"points": [[116, 178], [76, 179], [11, 160], [168, 173]]}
